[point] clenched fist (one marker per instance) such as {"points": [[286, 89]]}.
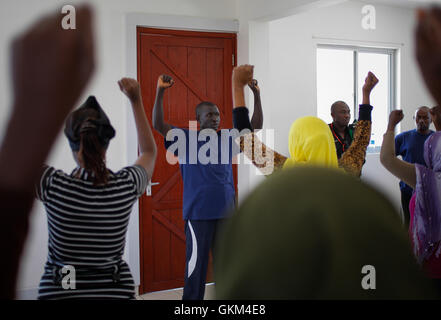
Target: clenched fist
{"points": [[52, 66], [394, 118], [165, 82], [242, 75], [130, 87], [253, 84], [370, 82]]}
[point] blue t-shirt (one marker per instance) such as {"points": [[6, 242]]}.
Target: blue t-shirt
{"points": [[410, 145], [207, 172]]}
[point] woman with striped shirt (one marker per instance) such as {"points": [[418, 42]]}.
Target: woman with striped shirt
{"points": [[88, 210]]}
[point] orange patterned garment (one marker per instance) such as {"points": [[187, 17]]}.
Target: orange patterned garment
{"points": [[267, 160]]}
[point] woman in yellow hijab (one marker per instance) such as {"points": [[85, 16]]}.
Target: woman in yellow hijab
{"points": [[310, 142], [310, 139]]}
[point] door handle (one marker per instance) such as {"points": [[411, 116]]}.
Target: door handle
{"points": [[149, 188]]}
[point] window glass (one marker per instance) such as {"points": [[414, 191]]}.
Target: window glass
{"points": [[378, 64], [335, 80]]}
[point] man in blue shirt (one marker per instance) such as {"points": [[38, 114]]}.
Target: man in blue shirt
{"points": [[410, 146], [205, 161]]}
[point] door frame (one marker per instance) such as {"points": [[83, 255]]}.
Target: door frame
{"points": [[132, 21]]}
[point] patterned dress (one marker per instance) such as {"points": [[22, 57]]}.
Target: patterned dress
{"points": [[351, 161]]}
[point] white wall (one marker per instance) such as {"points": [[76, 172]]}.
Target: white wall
{"points": [[289, 46], [253, 47], [283, 52]]}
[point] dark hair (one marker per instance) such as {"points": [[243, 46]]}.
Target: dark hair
{"points": [[89, 132], [338, 103], [93, 156], [203, 104]]}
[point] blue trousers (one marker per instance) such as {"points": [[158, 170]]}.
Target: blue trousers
{"points": [[200, 239]]}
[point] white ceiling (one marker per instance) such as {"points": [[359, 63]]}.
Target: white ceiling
{"points": [[405, 3]]}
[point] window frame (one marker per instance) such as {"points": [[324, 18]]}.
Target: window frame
{"points": [[392, 69]]}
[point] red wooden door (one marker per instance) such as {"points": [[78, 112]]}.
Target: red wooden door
{"points": [[201, 64]]}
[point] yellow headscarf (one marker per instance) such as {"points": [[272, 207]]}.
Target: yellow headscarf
{"points": [[311, 143]]}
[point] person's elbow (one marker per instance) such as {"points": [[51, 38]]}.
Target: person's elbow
{"points": [[160, 127], [385, 158], [152, 151], [147, 160], [156, 125], [257, 124], [155, 151]]}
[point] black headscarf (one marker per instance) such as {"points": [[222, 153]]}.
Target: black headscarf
{"points": [[88, 117]]}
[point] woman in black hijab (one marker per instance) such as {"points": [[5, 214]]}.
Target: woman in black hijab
{"points": [[88, 210]]}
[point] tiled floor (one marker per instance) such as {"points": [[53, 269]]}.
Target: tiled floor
{"points": [[176, 294]]}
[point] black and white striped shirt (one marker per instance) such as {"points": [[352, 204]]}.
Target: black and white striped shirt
{"points": [[87, 227]]}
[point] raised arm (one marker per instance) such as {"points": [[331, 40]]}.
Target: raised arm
{"points": [[264, 158], [428, 49], [369, 84], [403, 170], [435, 113], [352, 160], [146, 142], [164, 82], [428, 54], [242, 75], [50, 68], [257, 119]]}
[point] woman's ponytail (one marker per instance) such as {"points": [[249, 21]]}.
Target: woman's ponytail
{"points": [[93, 155]]}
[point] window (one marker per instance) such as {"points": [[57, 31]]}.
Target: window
{"points": [[341, 71]]}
